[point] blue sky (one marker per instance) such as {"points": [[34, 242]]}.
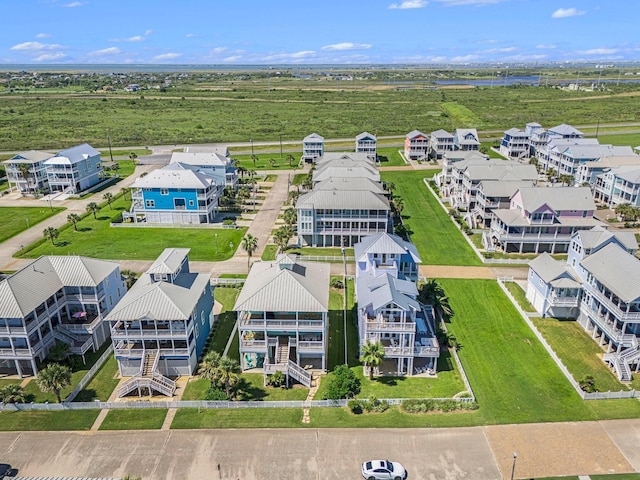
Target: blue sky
{"points": [[329, 31]]}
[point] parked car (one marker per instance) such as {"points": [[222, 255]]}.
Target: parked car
{"points": [[5, 469], [383, 470]]}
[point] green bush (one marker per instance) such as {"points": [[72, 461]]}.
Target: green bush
{"points": [[276, 379], [588, 384], [355, 406], [215, 393], [424, 405], [373, 405], [343, 384], [337, 283]]}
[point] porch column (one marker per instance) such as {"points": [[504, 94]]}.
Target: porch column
{"points": [[18, 369]]}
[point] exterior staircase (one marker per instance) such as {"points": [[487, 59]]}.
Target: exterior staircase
{"points": [[78, 345], [620, 366], [298, 373], [148, 378], [282, 350]]}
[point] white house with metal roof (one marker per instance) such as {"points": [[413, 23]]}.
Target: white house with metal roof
{"points": [[388, 310], [26, 171], [75, 169], [515, 144], [599, 285], [159, 329], [619, 185], [541, 219], [176, 193], [416, 145], [312, 147], [55, 298], [466, 139], [367, 143], [214, 164], [283, 318], [440, 142]]}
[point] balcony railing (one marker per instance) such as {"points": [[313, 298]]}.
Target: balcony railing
{"points": [[253, 345], [310, 345], [259, 323], [139, 352], [613, 307], [382, 325], [556, 301], [13, 330]]}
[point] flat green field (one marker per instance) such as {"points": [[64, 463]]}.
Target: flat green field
{"points": [[41, 421], [438, 240], [14, 220], [134, 419], [96, 238]]}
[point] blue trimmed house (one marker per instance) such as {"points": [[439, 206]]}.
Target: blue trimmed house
{"points": [[214, 164], [75, 169]]}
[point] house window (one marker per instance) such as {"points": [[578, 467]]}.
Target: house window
{"points": [[164, 191], [191, 203], [150, 203], [202, 318]]}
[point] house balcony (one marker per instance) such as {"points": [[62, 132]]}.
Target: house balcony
{"points": [[532, 237], [608, 327], [379, 324], [308, 346], [82, 325], [258, 346], [614, 308], [124, 352], [281, 323], [21, 331], [10, 354], [568, 302]]}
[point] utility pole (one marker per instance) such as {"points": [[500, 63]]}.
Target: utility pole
{"points": [[109, 142], [280, 147]]}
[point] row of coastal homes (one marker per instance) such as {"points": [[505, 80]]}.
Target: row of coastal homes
{"points": [[599, 286], [186, 191], [420, 146], [313, 146], [70, 171], [346, 202]]}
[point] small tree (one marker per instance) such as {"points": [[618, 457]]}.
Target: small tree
{"points": [[129, 277], [109, 198], [281, 236], [228, 373], [343, 384], [74, 218], [124, 191], [209, 365], [51, 233], [25, 172], [94, 209], [255, 159], [12, 393], [290, 217], [59, 352], [372, 356], [133, 156], [432, 293], [54, 378], [249, 245], [290, 158]]}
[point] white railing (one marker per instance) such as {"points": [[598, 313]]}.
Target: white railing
{"points": [[13, 330], [18, 352], [254, 345], [613, 307], [288, 324], [310, 345], [408, 327]]}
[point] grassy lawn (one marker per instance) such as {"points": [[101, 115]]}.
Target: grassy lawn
{"points": [[226, 320], [321, 251], [14, 220], [389, 157], [446, 385], [514, 380], [438, 240], [461, 115], [298, 178], [335, 354], [51, 421], [96, 238], [250, 389], [34, 394], [9, 381], [269, 252], [630, 139], [520, 296], [580, 354], [267, 161], [102, 384], [134, 419], [238, 418]]}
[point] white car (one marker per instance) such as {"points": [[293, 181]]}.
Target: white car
{"points": [[383, 470]]}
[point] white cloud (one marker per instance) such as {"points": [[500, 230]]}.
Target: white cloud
{"points": [[465, 58], [106, 51], [36, 46], [135, 38], [487, 42], [543, 46], [148, 32], [167, 56], [233, 58], [73, 4], [47, 57], [43, 35], [455, 3], [500, 50], [567, 12], [407, 4], [219, 49], [347, 46], [600, 51], [190, 35]]}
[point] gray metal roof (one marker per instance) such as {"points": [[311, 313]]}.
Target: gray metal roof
{"points": [[441, 134], [516, 132], [220, 149], [356, 157], [628, 174], [346, 172], [366, 135], [200, 159], [314, 137], [549, 270], [508, 171], [415, 133], [458, 156], [161, 300], [388, 243], [343, 199], [596, 151], [557, 198], [169, 260], [597, 236], [30, 157], [616, 270], [284, 285], [502, 188], [460, 133], [564, 129], [74, 155], [175, 175], [384, 289], [354, 184], [23, 291]]}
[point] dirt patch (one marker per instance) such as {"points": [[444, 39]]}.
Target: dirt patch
{"points": [[555, 449]]}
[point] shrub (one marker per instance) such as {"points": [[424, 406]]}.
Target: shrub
{"points": [[215, 393], [355, 406], [276, 379], [424, 405], [373, 405], [588, 384], [228, 222], [337, 283], [343, 384]]}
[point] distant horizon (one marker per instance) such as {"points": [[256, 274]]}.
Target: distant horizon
{"points": [[334, 32]]}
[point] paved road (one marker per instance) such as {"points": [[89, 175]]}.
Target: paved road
{"points": [[474, 453]]}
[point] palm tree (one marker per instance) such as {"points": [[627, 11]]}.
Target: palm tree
{"points": [[12, 393], [209, 365], [51, 233], [293, 196], [242, 170], [398, 205], [565, 179], [74, 218], [432, 293], [372, 355], [129, 277], [290, 216], [290, 158], [255, 159], [109, 198], [133, 156], [627, 212], [551, 174], [124, 191], [228, 373], [54, 378], [249, 244], [24, 171], [93, 208], [390, 187], [282, 236]]}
